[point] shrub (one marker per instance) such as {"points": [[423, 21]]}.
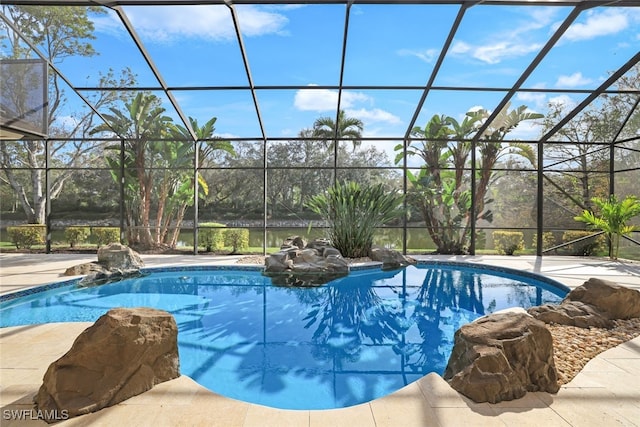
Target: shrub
{"points": [[105, 235], [237, 238], [354, 213], [507, 242], [75, 235], [585, 247], [548, 240], [613, 218], [481, 239], [211, 236], [25, 236]]}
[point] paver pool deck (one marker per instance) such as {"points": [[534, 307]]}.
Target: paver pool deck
{"points": [[605, 393]]}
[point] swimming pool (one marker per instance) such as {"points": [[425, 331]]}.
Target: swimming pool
{"points": [[348, 342]]}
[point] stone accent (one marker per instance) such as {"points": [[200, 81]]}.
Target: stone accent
{"points": [[117, 256], [125, 353], [312, 265], [115, 262], [390, 259], [501, 357], [596, 303]]}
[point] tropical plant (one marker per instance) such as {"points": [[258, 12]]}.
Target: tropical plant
{"points": [[331, 132], [142, 124], [613, 219], [354, 212], [206, 146], [441, 190]]}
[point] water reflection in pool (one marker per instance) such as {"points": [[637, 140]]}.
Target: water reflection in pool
{"points": [[350, 341]]}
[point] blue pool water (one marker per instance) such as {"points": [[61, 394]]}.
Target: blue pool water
{"points": [[348, 342]]}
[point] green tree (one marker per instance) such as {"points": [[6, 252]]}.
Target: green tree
{"points": [[613, 218], [178, 181], [59, 32], [142, 125], [577, 161], [331, 132], [440, 191], [236, 183]]}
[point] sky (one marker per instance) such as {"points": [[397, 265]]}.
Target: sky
{"points": [[387, 45]]}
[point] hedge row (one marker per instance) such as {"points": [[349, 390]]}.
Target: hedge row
{"points": [[214, 236], [26, 236], [508, 242]]}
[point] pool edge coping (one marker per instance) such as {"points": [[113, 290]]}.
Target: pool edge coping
{"points": [[10, 296]]}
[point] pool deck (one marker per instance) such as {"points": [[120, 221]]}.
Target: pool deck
{"points": [[605, 393]]}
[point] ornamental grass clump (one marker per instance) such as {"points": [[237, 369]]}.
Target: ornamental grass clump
{"points": [[354, 212]]}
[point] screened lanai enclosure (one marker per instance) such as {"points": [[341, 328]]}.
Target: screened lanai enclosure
{"points": [[165, 119]]}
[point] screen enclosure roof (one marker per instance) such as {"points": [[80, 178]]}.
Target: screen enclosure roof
{"points": [[268, 70]]}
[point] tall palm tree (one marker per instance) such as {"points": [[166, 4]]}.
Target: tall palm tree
{"points": [[330, 132], [141, 124], [205, 146], [440, 190]]}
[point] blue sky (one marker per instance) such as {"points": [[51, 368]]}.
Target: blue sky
{"points": [[387, 45]]}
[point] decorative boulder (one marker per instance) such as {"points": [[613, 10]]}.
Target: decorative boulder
{"points": [[126, 352], [120, 257], [86, 268], [501, 357], [389, 258], [293, 241], [313, 265], [115, 262], [593, 304]]}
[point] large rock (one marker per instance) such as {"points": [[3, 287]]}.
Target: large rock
{"points": [[389, 258], [609, 298], [119, 257], [501, 357], [596, 303], [115, 262], [126, 352], [312, 265]]}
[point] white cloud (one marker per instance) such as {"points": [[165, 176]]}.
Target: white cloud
{"points": [[528, 130], [375, 115], [326, 100], [496, 52], [355, 104], [225, 135], [563, 101], [538, 100], [574, 80], [351, 98], [426, 55], [598, 24], [460, 48], [208, 22], [516, 42], [316, 99]]}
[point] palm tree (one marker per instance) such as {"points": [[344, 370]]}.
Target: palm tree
{"points": [[613, 219], [440, 190], [206, 145], [330, 132], [140, 125]]}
